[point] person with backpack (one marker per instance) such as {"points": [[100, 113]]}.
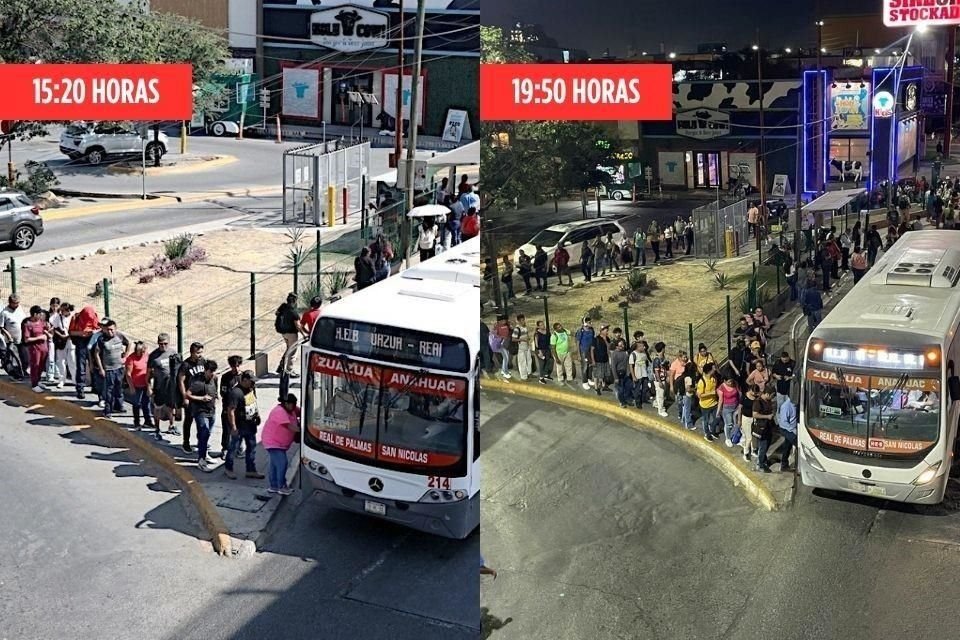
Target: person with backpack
{"points": [[858, 264], [584, 337], [470, 227], [287, 324]]}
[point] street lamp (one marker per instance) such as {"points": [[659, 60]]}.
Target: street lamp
{"points": [[922, 28], [672, 55], [788, 50], [755, 47]]}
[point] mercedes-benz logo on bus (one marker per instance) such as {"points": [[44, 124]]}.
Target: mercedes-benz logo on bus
{"points": [[376, 485]]}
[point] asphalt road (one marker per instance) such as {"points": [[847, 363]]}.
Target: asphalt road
{"points": [[95, 547], [599, 531]]}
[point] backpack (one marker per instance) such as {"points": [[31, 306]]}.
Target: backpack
{"points": [[471, 226], [495, 342], [282, 322]]}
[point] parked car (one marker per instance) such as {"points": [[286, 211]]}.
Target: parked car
{"points": [[617, 191], [20, 221], [572, 235], [98, 141]]}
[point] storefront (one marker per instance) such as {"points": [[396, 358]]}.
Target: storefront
{"points": [[874, 126], [713, 141], [338, 64]]}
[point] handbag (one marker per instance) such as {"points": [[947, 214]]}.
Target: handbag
{"points": [[59, 342]]}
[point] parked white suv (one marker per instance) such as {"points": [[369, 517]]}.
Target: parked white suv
{"points": [[97, 141], [572, 235]]}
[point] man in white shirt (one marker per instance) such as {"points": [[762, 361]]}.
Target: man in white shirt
{"points": [[11, 321]]}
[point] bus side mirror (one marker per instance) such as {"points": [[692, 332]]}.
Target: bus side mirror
{"points": [[953, 385]]}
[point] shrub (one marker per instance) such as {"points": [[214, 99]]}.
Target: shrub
{"points": [[308, 291], [146, 278], [722, 281], [594, 313], [652, 284], [178, 247], [748, 302], [711, 265], [636, 279], [336, 281]]}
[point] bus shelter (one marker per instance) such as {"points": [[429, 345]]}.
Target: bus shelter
{"points": [[324, 183], [840, 209]]}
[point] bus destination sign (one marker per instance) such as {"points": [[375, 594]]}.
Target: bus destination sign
{"points": [[394, 344]]}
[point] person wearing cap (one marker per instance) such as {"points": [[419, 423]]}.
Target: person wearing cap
{"points": [[190, 371], [584, 337], [310, 316], [783, 375], [243, 419], [287, 324], [81, 329], [109, 356], [279, 431]]}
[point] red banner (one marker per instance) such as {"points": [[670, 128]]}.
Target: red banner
{"points": [[69, 92], [576, 92], [390, 453], [345, 442], [877, 445], [354, 371], [455, 388]]}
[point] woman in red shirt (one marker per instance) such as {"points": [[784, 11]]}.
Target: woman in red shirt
{"points": [[729, 395], [136, 370], [36, 334]]}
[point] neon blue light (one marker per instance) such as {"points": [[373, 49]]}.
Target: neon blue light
{"points": [[823, 131]]}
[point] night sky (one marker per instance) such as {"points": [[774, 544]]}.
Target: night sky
{"points": [[680, 25]]}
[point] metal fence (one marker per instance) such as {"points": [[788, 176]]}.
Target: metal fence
{"points": [[710, 224], [325, 183]]}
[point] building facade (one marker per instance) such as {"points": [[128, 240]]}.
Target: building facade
{"points": [[337, 63]]}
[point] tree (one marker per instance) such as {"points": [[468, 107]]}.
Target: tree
{"points": [[105, 31]]}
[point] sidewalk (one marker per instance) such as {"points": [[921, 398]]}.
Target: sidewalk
{"points": [[243, 505]]}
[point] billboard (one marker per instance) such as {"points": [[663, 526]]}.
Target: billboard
{"points": [[849, 104], [909, 13]]}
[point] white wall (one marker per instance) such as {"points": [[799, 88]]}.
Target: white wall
{"points": [[243, 20]]}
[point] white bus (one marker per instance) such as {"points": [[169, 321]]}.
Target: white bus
{"points": [[878, 409], [391, 416]]}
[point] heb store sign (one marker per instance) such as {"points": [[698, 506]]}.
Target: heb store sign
{"points": [[906, 13], [348, 29]]}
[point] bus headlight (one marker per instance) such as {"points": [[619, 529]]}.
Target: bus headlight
{"points": [[928, 475], [811, 459]]}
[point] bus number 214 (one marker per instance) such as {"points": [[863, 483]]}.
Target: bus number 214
{"points": [[436, 482]]}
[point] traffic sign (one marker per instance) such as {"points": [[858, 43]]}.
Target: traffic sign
{"points": [[264, 98]]}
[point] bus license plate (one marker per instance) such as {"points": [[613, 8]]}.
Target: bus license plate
{"points": [[867, 489], [375, 508]]}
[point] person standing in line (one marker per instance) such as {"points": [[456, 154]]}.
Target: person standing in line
{"points": [[135, 369], [812, 305], [427, 239], [675, 376], [585, 336], [826, 266], [621, 373], [599, 257], [11, 324], [746, 421], [654, 234], [364, 271], [506, 276], [82, 327], [486, 353], [35, 336], [687, 400], [659, 365], [560, 345], [845, 245], [787, 420], [228, 381], [600, 360], [279, 432], [874, 242], [162, 366], [708, 399], [586, 262], [64, 351], [640, 247], [561, 260], [202, 395], [678, 237], [790, 272], [763, 412], [50, 372], [858, 264], [728, 410], [668, 241], [191, 370], [521, 344], [703, 358], [639, 364], [783, 370], [856, 234], [760, 375], [310, 316], [243, 418], [540, 272], [504, 334], [525, 269], [541, 341], [287, 324], [753, 215], [109, 356], [613, 253]]}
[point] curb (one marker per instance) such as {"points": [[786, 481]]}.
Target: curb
{"points": [[83, 419], [154, 200], [215, 162], [725, 462]]}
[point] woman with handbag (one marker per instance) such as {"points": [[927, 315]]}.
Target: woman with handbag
{"points": [[64, 351]]}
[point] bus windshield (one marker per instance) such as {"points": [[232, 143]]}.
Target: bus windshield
{"points": [[887, 415], [387, 417]]}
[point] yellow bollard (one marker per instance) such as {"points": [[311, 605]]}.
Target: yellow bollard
{"points": [[730, 241], [331, 205]]}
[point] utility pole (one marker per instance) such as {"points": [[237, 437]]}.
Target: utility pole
{"points": [[951, 54], [398, 144], [761, 158], [412, 138]]}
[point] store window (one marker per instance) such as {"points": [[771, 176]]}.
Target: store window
{"points": [[849, 150], [706, 169], [345, 110]]}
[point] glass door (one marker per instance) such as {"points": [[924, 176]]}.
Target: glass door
{"points": [[345, 110], [706, 169]]}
